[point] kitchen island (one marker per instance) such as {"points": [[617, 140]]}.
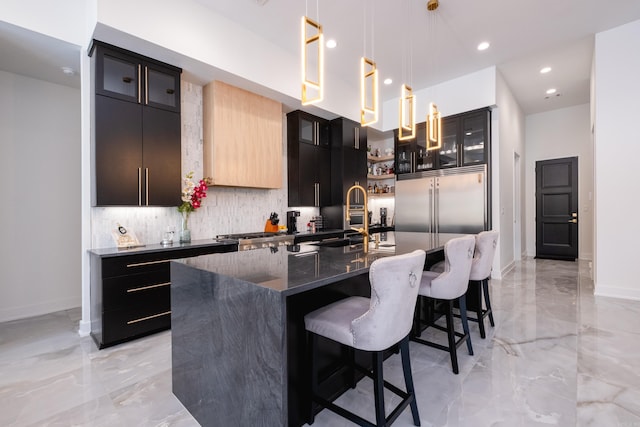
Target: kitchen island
{"points": [[238, 338]]}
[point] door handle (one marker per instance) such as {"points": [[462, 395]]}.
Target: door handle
{"points": [[574, 221]]}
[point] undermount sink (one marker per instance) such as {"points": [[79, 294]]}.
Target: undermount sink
{"points": [[335, 243]]}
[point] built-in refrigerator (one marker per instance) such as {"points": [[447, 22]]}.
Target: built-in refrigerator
{"points": [[443, 201]]}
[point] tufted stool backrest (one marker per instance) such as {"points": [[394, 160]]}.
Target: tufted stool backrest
{"points": [[395, 282]]}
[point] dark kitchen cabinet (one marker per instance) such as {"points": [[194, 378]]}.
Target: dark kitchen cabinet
{"points": [[130, 294], [310, 129], [130, 77], [412, 154], [308, 160], [465, 142], [465, 139], [348, 160], [136, 130]]}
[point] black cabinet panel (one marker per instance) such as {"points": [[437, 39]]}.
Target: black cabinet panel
{"points": [[118, 152], [308, 160], [162, 165]]}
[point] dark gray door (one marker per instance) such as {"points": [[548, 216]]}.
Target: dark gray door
{"points": [[557, 209]]}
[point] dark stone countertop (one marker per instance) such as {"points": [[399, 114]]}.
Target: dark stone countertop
{"points": [[157, 247], [294, 269]]}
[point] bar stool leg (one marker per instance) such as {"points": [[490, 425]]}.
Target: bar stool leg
{"points": [[378, 384], [477, 286], [408, 378], [451, 336], [465, 323], [487, 301]]}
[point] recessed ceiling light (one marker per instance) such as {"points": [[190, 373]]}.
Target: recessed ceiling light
{"points": [[388, 81], [550, 91], [483, 46], [331, 43], [68, 71], [545, 70]]}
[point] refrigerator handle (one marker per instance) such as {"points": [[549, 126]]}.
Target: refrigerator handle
{"points": [[436, 210], [431, 219]]}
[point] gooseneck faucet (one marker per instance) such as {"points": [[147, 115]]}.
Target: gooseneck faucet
{"points": [[364, 230]]}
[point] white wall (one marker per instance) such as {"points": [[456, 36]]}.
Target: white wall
{"points": [[466, 93], [64, 20], [40, 182], [555, 134], [616, 154], [510, 140]]}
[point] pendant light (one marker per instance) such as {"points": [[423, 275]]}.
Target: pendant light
{"points": [[434, 129], [407, 115], [312, 46], [368, 81]]}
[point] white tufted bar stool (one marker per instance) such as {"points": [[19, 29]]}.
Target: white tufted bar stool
{"points": [[373, 325], [446, 287], [485, 250]]}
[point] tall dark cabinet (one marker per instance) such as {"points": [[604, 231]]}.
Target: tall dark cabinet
{"points": [[136, 129], [348, 160], [308, 160]]}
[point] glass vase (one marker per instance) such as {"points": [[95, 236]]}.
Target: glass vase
{"points": [[185, 233]]}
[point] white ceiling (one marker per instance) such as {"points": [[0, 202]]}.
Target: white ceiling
{"points": [[524, 36]]}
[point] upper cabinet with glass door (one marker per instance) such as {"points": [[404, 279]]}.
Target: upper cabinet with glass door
{"points": [[135, 78], [465, 139]]}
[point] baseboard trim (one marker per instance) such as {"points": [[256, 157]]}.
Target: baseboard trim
{"points": [[615, 292], [84, 328], [507, 268], [46, 307]]}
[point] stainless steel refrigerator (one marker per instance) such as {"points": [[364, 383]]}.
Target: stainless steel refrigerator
{"points": [[443, 201]]}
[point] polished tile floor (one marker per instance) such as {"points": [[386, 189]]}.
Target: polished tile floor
{"points": [[557, 356]]}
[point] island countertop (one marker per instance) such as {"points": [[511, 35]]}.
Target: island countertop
{"points": [[299, 268]]}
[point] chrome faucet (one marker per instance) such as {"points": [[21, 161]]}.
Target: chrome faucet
{"points": [[364, 230]]}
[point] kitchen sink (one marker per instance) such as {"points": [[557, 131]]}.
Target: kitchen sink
{"points": [[338, 243]]}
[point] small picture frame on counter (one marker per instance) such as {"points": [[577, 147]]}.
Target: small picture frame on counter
{"points": [[125, 238]]}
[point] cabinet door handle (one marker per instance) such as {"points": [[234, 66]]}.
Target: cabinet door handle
{"points": [[139, 186], [143, 288], [142, 319], [146, 184], [139, 87], [317, 194], [356, 138], [146, 85], [316, 133], [140, 264]]}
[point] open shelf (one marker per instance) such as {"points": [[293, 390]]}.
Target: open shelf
{"points": [[380, 177], [374, 159]]}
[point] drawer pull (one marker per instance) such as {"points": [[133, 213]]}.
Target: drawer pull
{"points": [[142, 319], [139, 264], [148, 287]]}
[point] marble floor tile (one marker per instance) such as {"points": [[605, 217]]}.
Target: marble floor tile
{"points": [[558, 356]]}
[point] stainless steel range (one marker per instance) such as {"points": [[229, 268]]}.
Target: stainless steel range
{"points": [[248, 241]]}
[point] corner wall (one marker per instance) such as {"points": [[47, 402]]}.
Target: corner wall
{"points": [[616, 154], [40, 181], [511, 130]]}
